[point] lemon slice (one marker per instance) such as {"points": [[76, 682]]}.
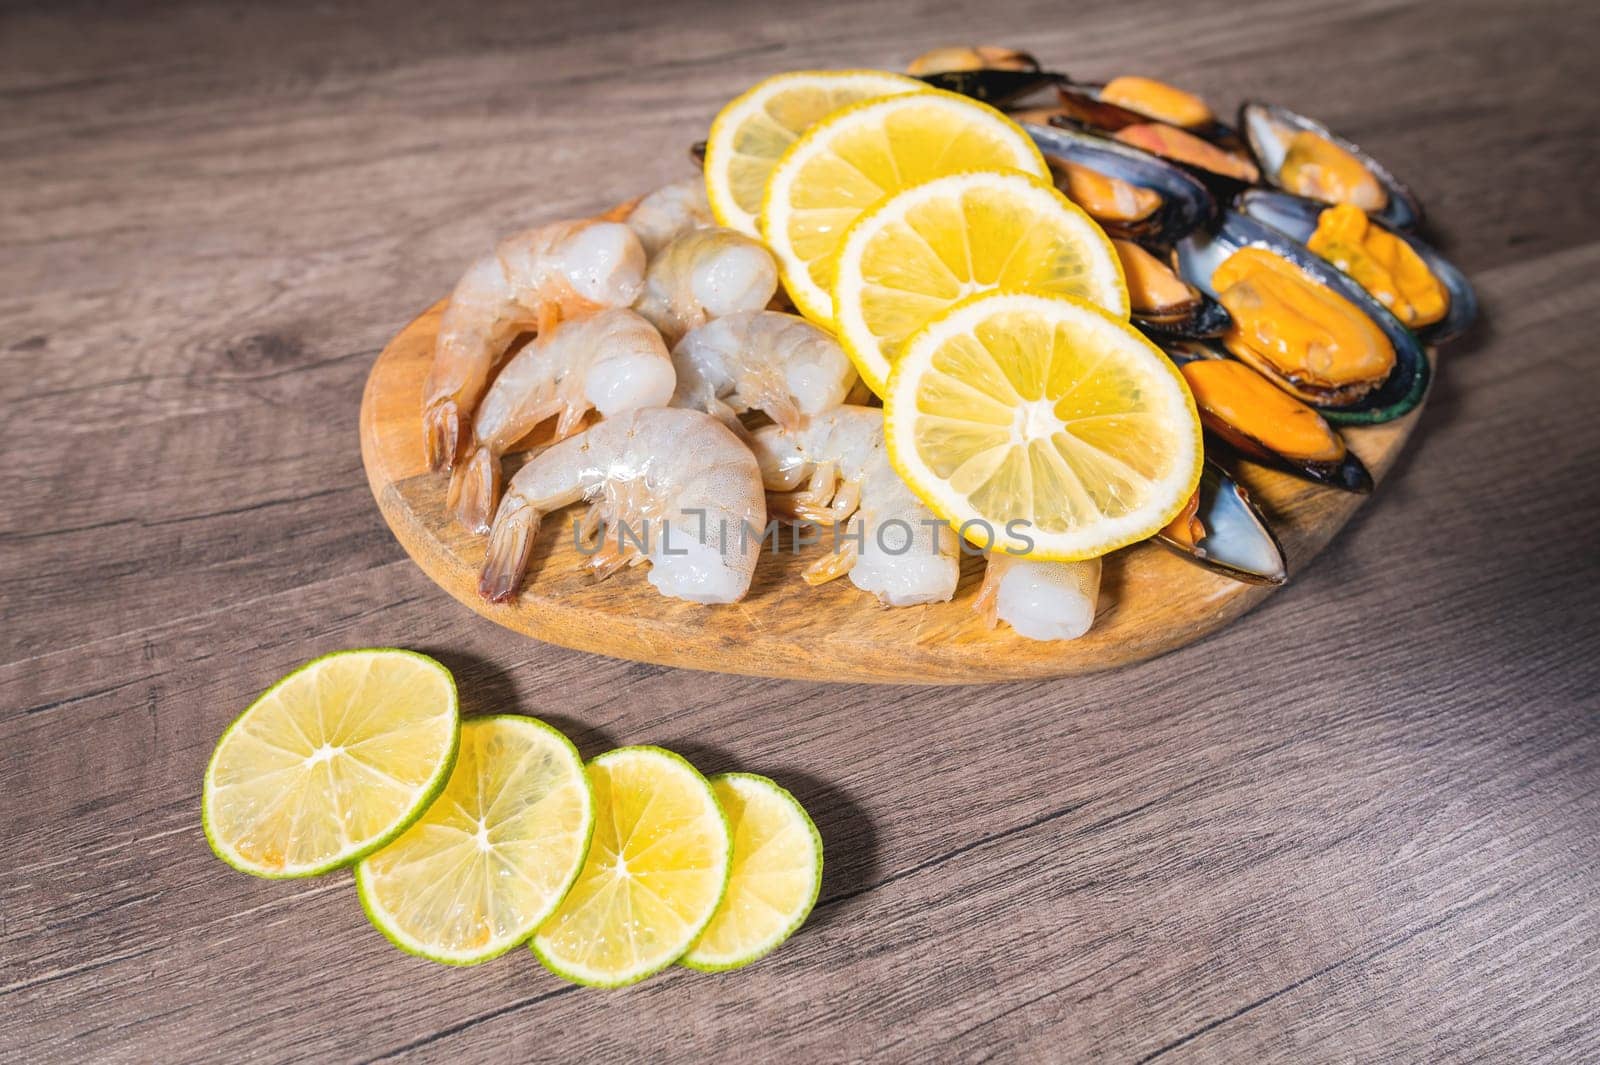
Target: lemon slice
{"points": [[655, 873], [913, 255], [750, 134], [857, 156], [330, 763], [1042, 426], [495, 853], [777, 872]]}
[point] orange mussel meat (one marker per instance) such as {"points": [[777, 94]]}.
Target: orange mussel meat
{"points": [[1153, 289], [1382, 263], [1158, 100], [1169, 142], [1106, 199], [1317, 168], [1302, 335], [1256, 416]]}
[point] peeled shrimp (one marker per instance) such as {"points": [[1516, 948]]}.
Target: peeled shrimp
{"points": [[705, 274], [1040, 600], [893, 546], [776, 363], [532, 280], [679, 490], [669, 212], [611, 361]]}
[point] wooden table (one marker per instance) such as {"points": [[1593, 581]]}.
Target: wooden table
{"points": [[1361, 825]]}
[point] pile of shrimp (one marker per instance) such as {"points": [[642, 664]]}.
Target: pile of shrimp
{"points": [[686, 409]]}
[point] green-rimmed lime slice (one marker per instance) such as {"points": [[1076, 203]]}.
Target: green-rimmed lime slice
{"points": [[331, 762], [656, 871], [777, 872], [494, 854]]}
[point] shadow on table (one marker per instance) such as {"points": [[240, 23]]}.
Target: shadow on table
{"points": [[485, 688]]}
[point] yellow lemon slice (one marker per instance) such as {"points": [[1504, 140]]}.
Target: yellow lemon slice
{"points": [[1042, 426], [848, 162], [750, 134], [911, 257], [494, 854]]}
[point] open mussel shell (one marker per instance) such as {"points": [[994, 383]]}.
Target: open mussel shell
{"points": [[1081, 102], [1349, 474], [1185, 203], [1296, 218], [1237, 541], [1267, 129], [1075, 111], [1200, 253], [1200, 318], [998, 88]]}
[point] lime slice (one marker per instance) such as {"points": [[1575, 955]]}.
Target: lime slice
{"points": [[494, 854], [331, 762], [777, 872], [656, 871]]}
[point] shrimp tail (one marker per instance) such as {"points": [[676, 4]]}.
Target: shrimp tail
{"points": [[569, 421], [441, 433], [781, 408], [474, 489], [987, 602], [831, 566], [510, 543]]}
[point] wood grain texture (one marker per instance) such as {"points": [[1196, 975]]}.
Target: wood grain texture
{"points": [[1358, 825], [1152, 601]]}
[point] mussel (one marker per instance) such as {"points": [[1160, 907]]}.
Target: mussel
{"points": [[1141, 197], [1264, 423], [1308, 327], [1164, 305], [1297, 218], [994, 74], [1302, 156], [1157, 118], [1222, 530], [1157, 100], [965, 58]]}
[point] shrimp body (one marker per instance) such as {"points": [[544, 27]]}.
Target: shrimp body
{"points": [[677, 483], [705, 274], [1039, 600], [893, 545], [532, 280], [669, 212], [611, 361], [776, 363]]}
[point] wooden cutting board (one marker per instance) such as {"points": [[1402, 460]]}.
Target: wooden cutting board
{"points": [[1151, 600]]}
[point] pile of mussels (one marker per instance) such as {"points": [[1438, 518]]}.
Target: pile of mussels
{"points": [[1275, 262]]}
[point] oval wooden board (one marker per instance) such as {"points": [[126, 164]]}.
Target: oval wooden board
{"points": [[1151, 601]]}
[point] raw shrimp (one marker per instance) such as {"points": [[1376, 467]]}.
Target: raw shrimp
{"points": [[531, 280], [893, 546], [611, 361], [677, 484], [776, 363], [705, 274], [1040, 600], [669, 212]]}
